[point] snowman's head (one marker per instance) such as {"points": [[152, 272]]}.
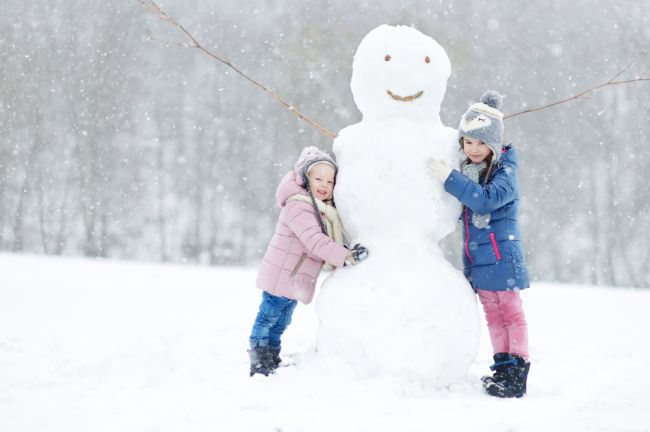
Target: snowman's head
{"points": [[398, 71]]}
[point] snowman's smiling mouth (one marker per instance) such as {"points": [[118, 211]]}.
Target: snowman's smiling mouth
{"points": [[405, 98]]}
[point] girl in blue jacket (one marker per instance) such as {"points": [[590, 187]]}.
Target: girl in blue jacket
{"points": [[493, 256]]}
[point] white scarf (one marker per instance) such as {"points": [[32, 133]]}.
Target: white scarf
{"points": [[332, 222]]}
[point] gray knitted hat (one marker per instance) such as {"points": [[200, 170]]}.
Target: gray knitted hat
{"points": [[310, 157], [484, 121]]}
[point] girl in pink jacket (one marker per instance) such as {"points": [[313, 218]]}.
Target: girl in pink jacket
{"points": [[308, 234]]}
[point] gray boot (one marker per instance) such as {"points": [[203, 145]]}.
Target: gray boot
{"points": [[261, 361], [275, 355]]}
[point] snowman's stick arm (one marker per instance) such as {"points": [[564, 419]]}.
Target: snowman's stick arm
{"points": [[194, 43], [611, 82]]}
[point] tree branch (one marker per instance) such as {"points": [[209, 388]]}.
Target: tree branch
{"points": [[612, 82], [194, 43]]}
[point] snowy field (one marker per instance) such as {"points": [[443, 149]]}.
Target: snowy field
{"points": [[107, 346]]}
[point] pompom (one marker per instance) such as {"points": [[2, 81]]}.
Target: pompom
{"points": [[493, 99], [308, 154]]}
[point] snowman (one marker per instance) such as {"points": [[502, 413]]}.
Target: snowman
{"points": [[404, 313]]}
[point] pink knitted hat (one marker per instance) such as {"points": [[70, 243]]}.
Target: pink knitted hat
{"points": [[309, 157]]}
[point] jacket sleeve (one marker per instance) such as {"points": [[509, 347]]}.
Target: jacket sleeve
{"points": [[302, 221], [499, 191]]}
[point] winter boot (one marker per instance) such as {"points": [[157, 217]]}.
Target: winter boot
{"points": [[502, 361], [275, 355], [514, 384], [261, 361]]}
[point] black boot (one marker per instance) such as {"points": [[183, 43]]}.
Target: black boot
{"points": [[514, 384], [261, 361], [275, 356], [502, 361]]}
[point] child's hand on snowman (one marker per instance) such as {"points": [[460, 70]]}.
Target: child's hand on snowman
{"points": [[438, 169], [357, 254]]}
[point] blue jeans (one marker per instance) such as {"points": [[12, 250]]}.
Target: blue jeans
{"points": [[272, 320]]}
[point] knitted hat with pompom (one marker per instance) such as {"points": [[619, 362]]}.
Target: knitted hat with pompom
{"points": [[310, 157], [484, 121]]}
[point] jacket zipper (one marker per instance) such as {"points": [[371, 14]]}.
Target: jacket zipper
{"points": [[494, 245], [295, 269], [467, 234]]}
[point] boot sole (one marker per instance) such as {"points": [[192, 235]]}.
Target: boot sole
{"points": [[500, 392]]}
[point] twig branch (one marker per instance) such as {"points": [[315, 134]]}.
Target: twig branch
{"points": [[194, 43], [625, 69], [612, 82], [166, 42]]}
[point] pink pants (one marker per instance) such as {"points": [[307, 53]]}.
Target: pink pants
{"points": [[506, 321]]}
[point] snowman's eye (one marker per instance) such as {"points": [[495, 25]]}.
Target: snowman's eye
{"points": [[427, 59], [387, 58]]}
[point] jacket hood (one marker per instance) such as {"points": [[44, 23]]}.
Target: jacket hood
{"points": [[289, 185], [509, 156]]}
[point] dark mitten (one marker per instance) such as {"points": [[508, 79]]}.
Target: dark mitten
{"points": [[357, 254]]}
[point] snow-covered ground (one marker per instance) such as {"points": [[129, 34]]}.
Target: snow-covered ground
{"points": [[108, 346]]}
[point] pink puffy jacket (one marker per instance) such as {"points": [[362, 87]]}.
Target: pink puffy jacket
{"points": [[298, 248]]}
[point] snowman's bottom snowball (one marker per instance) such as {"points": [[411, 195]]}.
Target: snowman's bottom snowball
{"points": [[416, 322]]}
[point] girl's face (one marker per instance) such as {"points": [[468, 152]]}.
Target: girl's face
{"points": [[475, 150], [321, 179]]}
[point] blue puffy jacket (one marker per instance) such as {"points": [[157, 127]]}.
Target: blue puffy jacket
{"points": [[493, 257]]}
